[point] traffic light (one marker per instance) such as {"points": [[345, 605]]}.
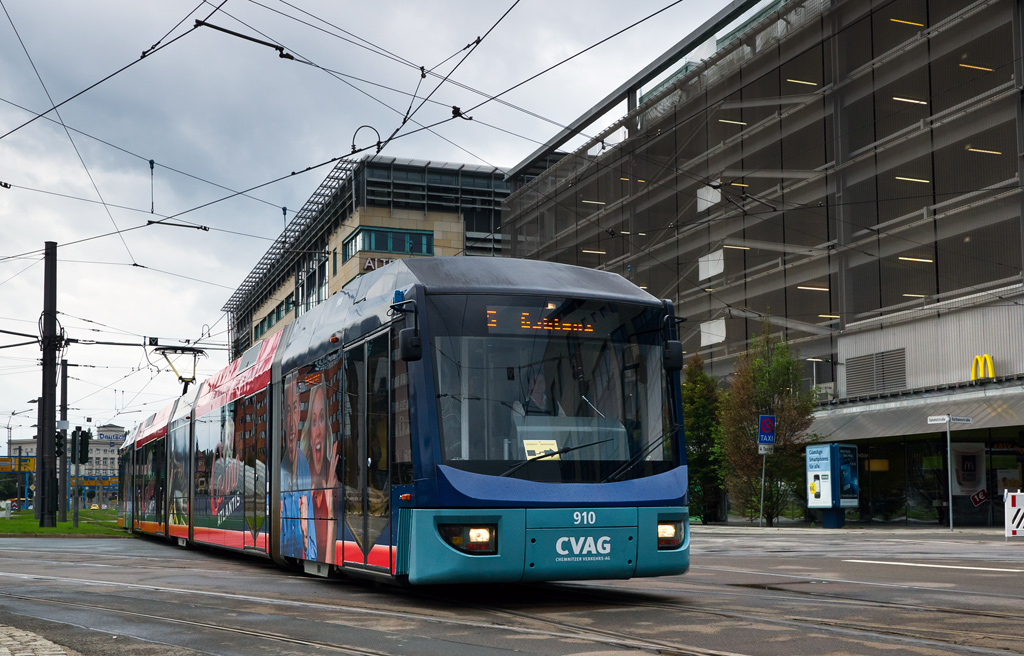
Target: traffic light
{"points": [[73, 452], [83, 446], [60, 444]]}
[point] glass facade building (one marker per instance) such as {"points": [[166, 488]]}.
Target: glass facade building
{"points": [[849, 172]]}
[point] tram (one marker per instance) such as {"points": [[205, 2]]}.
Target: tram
{"points": [[439, 420]]}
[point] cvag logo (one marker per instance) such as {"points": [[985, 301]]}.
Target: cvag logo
{"points": [[584, 545]]}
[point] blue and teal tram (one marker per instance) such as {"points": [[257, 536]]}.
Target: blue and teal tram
{"points": [[439, 420]]}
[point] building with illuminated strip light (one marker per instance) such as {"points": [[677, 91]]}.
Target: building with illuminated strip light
{"points": [[366, 213], [849, 172]]}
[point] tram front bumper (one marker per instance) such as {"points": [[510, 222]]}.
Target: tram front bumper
{"points": [[541, 544]]}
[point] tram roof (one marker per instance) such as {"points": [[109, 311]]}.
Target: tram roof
{"points": [[129, 440], [156, 426], [365, 304], [501, 275]]}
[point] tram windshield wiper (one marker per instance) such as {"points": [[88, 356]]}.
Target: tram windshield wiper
{"points": [[632, 462], [565, 449]]}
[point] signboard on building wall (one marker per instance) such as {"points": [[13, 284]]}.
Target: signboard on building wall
{"points": [[374, 263], [112, 436]]}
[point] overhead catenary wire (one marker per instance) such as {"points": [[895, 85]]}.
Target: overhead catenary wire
{"points": [[469, 51], [383, 52], [93, 86], [34, 262], [78, 152], [313, 167], [127, 152], [303, 60]]}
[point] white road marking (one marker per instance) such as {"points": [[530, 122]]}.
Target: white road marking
{"points": [[977, 569]]}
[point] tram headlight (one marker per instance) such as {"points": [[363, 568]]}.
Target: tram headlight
{"points": [[476, 539], [670, 535]]}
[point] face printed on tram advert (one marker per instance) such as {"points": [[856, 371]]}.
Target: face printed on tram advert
{"points": [[292, 428], [317, 418], [297, 537], [323, 460]]}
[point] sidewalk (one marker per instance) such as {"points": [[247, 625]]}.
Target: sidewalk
{"points": [[791, 527], [23, 643]]}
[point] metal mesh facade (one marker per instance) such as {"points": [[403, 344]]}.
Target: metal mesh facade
{"points": [[828, 167]]}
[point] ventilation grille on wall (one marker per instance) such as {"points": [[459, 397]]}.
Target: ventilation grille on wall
{"points": [[876, 373]]}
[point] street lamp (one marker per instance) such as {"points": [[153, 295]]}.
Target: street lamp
{"points": [[9, 419]]}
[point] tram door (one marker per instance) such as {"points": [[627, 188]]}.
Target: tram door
{"points": [[367, 496]]}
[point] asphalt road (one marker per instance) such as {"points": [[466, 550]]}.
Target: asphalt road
{"points": [[750, 591]]}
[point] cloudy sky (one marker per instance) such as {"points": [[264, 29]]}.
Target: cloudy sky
{"points": [[218, 115]]}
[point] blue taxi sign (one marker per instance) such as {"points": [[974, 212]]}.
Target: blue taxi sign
{"points": [[766, 429]]}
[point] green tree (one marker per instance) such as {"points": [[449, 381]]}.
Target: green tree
{"points": [[767, 381], [8, 486], [700, 421]]}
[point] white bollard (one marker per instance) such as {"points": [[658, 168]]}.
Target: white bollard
{"points": [[1013, 505]]}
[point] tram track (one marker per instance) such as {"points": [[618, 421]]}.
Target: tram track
{"points": [[925, 636], [852, 601], [446, 606], [852, 630], [558, 629], [265, 635]]}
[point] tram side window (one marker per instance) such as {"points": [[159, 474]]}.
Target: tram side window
{"points": [[294, 464], [378, 413], [140, 499], [256, 457], [177, 475], [312, 427], [153, 479], [310, 460], [401, 426], [221, 446], [207, 434]]}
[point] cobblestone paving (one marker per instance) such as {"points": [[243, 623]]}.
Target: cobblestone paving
{"points": [[15, 642]]}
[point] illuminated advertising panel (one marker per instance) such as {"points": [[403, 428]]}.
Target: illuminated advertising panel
{"points": [[819, 476], [849, 475]]}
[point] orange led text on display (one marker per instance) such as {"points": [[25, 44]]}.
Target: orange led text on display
{"points": [[528, 323]]}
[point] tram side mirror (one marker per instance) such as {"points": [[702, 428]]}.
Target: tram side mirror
{"points": [[410, 347], [673, 355]]}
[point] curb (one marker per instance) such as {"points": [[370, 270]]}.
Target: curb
{"points": [[26, 643]]}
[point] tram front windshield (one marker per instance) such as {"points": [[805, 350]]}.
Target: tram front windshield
{"points": [[551, 389]]}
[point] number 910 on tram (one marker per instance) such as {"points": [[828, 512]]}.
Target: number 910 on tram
{"points": [[439, 420]]}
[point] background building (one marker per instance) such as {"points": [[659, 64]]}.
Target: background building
{"points": [[99, 475], [848, 171], [365, 214]]}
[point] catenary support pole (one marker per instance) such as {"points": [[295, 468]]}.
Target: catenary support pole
{"points": [[37, 477], [48, 426], [764, 461], [74, 488], [949, 457], [62, 495]]}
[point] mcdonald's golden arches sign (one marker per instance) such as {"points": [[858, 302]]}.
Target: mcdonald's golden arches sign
{"points": [[982, 367]]}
